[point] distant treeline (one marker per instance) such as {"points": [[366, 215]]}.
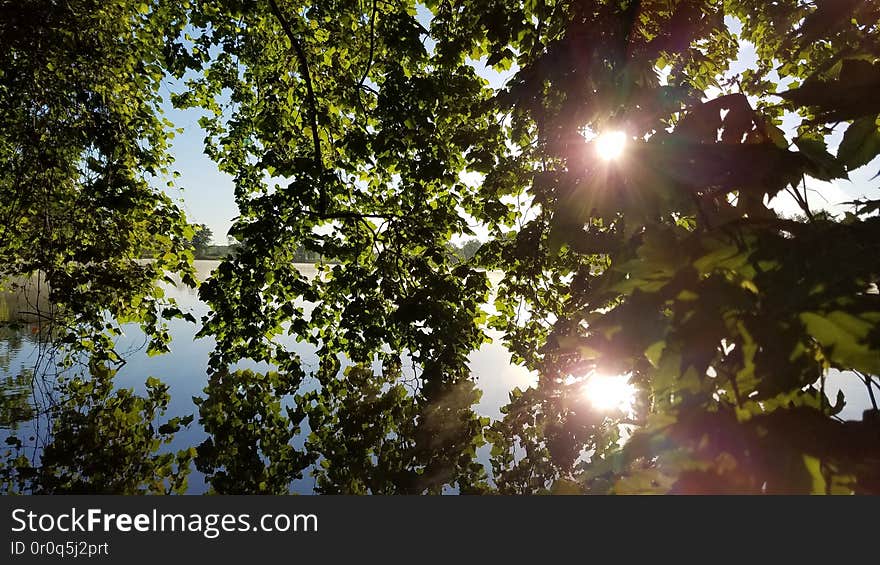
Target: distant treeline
{"points": [[465, 251], [457, 253], [220, 251]]}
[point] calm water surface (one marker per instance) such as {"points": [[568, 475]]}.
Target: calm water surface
{"points": [[184, 369]]}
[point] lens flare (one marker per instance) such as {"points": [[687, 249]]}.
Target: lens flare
{"points": [[609, 393], [610, 145]]}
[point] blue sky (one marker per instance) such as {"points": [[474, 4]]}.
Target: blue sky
{"points": [[207, 196], [205, 193]]}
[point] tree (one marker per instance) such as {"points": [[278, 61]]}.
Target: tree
{"points": [[82, 149], [470, 248], [202, 238], [666, 265], [82, 143], [464, 252]]}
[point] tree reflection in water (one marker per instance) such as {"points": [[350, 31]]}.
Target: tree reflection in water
{"points": [[354, 430]]}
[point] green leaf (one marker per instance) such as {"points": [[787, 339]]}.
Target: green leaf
{"points": [[654, 351], [814, 468], [822, 165], [860, 144], [845, 336]]}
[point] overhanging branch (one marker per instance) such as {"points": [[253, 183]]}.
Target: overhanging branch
{"points": [[310, 100], [350, 215], [372, 46]]}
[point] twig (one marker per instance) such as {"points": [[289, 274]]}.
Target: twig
{"points": [[869, 381]]}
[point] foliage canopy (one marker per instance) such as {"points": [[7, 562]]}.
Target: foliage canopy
{"points": [[362, 131]]}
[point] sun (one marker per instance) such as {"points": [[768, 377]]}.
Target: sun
{"points": [[609, 393], [610, 145]]}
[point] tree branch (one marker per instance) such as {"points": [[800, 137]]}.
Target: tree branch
{"points": [[349, 215], [310, 100], [372, 46]]}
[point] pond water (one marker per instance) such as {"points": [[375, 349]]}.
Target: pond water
{"points": [[184, 369]]}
